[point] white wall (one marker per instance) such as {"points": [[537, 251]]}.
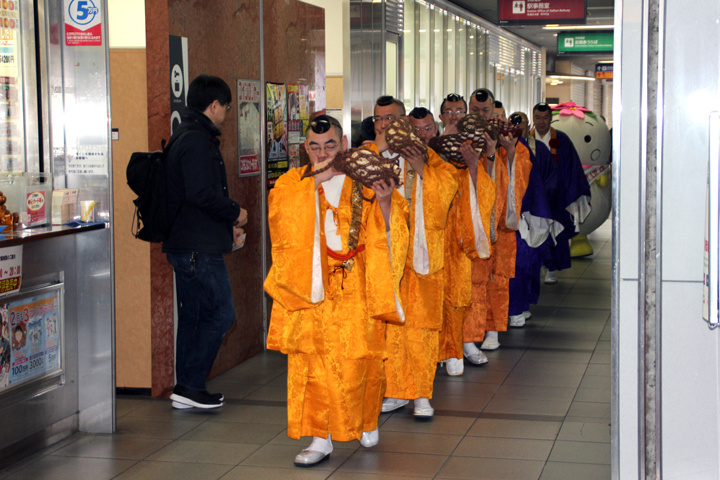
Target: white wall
{"points": [[127, 23], [334, 28]]}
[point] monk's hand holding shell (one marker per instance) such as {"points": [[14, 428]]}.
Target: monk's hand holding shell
{"points": [[415, 158]]}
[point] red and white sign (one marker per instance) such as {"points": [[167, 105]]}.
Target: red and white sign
{"points": [[83, 23], [249, 164], [540, 12], [36, 208]]}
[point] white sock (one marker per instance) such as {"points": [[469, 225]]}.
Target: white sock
{"points": [[470, 348], [422, 402], [323, 445], [491, 335]]}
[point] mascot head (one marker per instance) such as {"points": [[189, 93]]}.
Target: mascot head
{"points": [[589, 132]]}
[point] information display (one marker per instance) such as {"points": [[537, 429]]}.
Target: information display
{"points": [[585, 42], [31, 338]]}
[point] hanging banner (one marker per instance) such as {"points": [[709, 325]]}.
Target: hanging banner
{"points": [[83, 23], [179, 82], [522, 12], [249, 130], [277, 131]]}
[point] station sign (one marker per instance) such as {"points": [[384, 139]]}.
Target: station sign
{"points": [[585, 42], [541, 12], [604, 71]]}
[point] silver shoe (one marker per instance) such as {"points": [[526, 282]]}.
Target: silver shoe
{"points": [[391, 404], [308, 458], [370, 439]]}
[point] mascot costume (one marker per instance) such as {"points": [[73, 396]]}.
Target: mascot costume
{"points": [[591, 137]]}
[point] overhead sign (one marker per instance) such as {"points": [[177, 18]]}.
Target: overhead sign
{"points": [[585, 42], [83, 23], [604, 71], [531, 12]]}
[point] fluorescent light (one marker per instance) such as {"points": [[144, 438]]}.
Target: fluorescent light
{"points": [[572, 77], [472, 36], [605, 61], [436, 30], [552, 25], [579, 27]]}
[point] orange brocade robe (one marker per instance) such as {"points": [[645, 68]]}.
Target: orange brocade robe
{"points": [[461, 247], [491, 277], [334, 343], [413, 347]]}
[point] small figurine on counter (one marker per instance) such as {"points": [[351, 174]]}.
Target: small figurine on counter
{"points": [[7, 218]]}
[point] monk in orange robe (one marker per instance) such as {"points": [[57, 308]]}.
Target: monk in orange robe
{"points": [[412, 348], [335, 278], [509, 166]]}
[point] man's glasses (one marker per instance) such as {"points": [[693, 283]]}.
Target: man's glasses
{"points": [[329, 148], [228, 107], [542, 107], [515, 119], [323, 123], [426, 128], [419, 112], [454, 97], [455, 112], [385, 100], [481, 95], [379, 118]]}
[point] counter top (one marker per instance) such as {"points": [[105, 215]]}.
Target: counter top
{"points": [[21, 236]]}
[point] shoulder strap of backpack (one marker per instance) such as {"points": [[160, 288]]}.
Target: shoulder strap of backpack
{"points": [[184, 128]]}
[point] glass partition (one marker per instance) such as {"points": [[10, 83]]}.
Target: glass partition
{"points": [[422, 81]]}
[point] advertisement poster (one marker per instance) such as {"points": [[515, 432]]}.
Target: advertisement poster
{"points": [[31, 328], [294, 125], [10, 269], [277, 134], [179, 81], [530, 12], [249, 130], [304, 108], [83, 23], [88, 160]]}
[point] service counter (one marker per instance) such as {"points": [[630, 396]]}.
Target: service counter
{"points": [[61, 375]]}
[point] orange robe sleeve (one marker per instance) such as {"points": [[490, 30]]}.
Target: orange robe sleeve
{"points": [[485, 201], [386, 261], [291, 219]]}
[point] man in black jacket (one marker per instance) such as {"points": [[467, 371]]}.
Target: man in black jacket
{"points": [[206, 221]]}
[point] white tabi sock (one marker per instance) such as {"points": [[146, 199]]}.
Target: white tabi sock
{"points": [[323, 445]]}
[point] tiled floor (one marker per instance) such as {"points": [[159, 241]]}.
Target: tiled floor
{"points": [[539, 410]]}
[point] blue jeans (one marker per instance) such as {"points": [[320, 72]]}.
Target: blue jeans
{"points": [[205, 313]]}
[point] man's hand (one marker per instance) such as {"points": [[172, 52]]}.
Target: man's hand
{"points": [[238, 236], [241, 219], [490, 144], [470, 156], [326, 175], [383, 192], [415, 158], [508, 142]]}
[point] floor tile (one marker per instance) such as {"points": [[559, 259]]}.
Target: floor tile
{"points": [[113, 446], [230, 432], [459, 403], [403, 442], [53, 467], [162, 410], [575, 471], [364, 461], [219, 453], [283, 455], [513, 448], [592, 381], [491, 427], [559, 357], [491, 372], [596, 395], [232, 391], [465, 389], [124, 405], [581, 452], [545, 379], [252, 414], [540, 393], [245, 472], [367, 476], [586, 409], [147, 470], [148, 427], [528, 406], [438, 425], [491, 469], [282, 439], [269, 392], [584, 432]]}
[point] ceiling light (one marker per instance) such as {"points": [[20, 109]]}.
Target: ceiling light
{"points": [[579, 27], [572, 77], [552, 25], [449, 30], [436, 30], [422, 31], [472, 36], [605, 61]]}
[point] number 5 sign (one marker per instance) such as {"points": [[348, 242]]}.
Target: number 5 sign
{"points": [[83, 23]]}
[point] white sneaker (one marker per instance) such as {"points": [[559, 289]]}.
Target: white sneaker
{"points": [[391, 404], [550, 277], [370, 439], [180, 406], [517, 321], [491, 341], [527, 314], [455, 366], [473, 354], [423, 408]]}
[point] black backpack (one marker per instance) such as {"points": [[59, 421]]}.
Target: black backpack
{"points": [[146, 177]]}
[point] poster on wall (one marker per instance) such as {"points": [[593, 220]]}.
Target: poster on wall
{"points": [[179, 82], [304, 109], [294, 125], [249, 130], [277, 131], [83, 22], [30, 338]]}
